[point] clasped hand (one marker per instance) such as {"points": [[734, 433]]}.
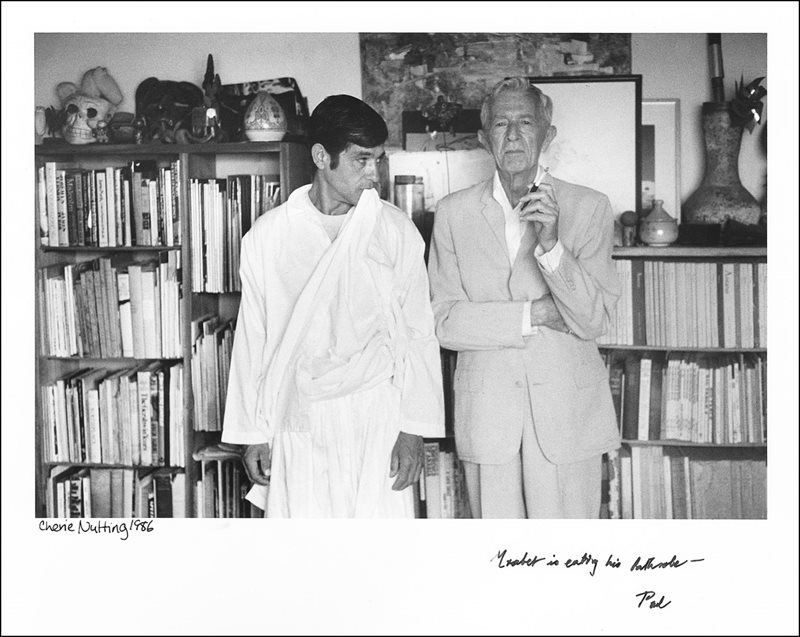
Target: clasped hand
{"points": [[541, 208]]}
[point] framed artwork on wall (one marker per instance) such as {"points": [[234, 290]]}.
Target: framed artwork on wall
{"points": [[411, 71], [598, 122], [660, 159]]}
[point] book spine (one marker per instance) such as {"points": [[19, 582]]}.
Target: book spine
{"points": [[112, 212], [638, 302], [61, 202], [72, 209], [41, 205], [51, 199], [145, 417], [80, 206], [102, 208], [630, 408]]}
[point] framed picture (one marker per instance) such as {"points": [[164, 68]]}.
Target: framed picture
{"points": [[598, 122], [661, 157]]}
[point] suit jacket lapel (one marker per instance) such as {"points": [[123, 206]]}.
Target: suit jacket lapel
{"points": [[493, 214]]}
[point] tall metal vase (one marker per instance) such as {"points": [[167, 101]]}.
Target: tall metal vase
{"points": [[721, 195]]}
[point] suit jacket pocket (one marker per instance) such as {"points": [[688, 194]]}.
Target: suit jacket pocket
{"points": [[590, 369]]}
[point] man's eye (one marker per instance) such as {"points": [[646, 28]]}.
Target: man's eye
{"points": [[500, 124]]}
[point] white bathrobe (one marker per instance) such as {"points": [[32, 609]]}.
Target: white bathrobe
{"points": [[334, 355]]}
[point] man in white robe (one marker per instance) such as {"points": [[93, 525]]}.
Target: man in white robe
{"points": [[335, 374]]}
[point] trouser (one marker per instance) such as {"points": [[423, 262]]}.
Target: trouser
{"points": [[531, 486]]}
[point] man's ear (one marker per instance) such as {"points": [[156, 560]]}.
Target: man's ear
{"points": [[484, 141], [549, 137], [320, 156]]}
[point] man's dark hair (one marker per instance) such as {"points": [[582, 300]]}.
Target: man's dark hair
{"points": [[341, 120]]}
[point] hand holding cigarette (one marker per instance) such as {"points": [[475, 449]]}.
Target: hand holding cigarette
{"points": [[540, 207]]}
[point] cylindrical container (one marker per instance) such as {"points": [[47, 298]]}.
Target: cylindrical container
{"points": [[409, 194]]}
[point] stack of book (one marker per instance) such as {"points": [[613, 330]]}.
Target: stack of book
{"points": [[133, 205], [222, 211], [677, 304], [75, 492], [100, 309], [131, 416]]}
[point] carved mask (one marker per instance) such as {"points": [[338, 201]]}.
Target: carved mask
{"points": [[83, 113]]}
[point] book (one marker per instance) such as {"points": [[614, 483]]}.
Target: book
{"points": [[630, 405], [643, 414], [433, 502], [616, 380], [41, 205], [638, 301], [61, 207], [163, 493], [656, 399]]}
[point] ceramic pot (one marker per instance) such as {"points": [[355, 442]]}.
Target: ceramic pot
{"points": [[264, 120], [721, 195], [658, 228]]}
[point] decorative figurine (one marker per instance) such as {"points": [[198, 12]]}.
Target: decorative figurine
{"points": [[101, 132]]}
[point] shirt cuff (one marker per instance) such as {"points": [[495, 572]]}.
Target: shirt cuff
{"points": [[527, 328], [549, 260]]}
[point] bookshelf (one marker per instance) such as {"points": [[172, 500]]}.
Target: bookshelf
{"points": [[687, 361], [106, 291]]}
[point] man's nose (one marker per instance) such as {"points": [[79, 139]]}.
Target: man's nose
{"points": [[512, 131], [371, 170]]}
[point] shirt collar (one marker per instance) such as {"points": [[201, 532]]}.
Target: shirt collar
{"points": [[499, 193]]}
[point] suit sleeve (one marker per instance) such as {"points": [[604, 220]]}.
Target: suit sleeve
{"points": [[584, 286], [462, 324], [422, 395], [240, 425]]}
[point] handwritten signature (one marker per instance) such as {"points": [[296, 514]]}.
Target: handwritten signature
{"points": [[649, 596]]}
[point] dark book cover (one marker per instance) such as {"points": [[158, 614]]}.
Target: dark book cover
{"points": [[616, 380], [630, 406], [656, 403], [72, 208], [163, 494], [638, 302]]}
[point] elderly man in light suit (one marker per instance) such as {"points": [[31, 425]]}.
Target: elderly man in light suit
{"points": [[522, 282]]}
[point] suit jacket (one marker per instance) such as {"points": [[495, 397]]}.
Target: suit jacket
{"points": [[478, 299]]}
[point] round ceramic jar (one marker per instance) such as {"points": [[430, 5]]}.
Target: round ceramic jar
{"points": [[658, 228]]}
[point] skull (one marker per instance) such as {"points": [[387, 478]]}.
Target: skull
{"points": [[85, 107], [83, 114]]}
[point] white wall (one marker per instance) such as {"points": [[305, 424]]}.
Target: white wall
{"points": [[672, 65], [322, 63]]}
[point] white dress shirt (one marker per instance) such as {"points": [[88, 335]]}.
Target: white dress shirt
{"points": [[514, 229]]}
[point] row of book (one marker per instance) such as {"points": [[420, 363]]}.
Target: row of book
{"points": [[100, 309], [443, 488], [83, 492], [212, 345], [719, 399], [654, 482], [688, 304], [137, 204], [221, 489], [131, 416], [222, 211]]}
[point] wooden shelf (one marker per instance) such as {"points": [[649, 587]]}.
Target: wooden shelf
{"points": [[705, 445], [96, 465], [670, 348], [692, 252], [62, 148], [121, 360], [109, 249]]}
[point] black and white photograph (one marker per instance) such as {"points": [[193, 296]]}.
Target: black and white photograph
{"points": [[431, 321]]}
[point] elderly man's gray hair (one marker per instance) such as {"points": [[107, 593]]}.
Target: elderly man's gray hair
{"points": [[521, 84]]}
